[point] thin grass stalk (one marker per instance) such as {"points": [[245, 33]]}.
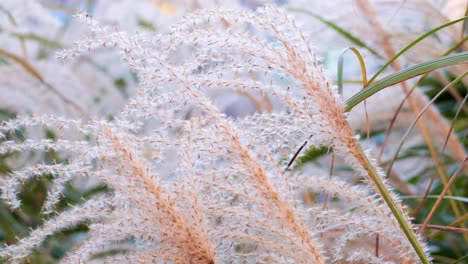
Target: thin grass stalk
{"points": [[405, 74], [340, 68], [424, 198], [439, 169], [446, 188], [364, 79], [33, 72], [371, 15], [454, 223], [426, 194], [460, 259], [447, 228], [399, 214], [22, 40], [405, 136], [418, 82], [412, 44], [343, 32], [458, 198], [464, 23]]}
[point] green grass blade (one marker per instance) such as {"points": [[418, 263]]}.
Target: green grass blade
{"points": [[405, 75], [413, 124], [409, 46], [392, 204], [460, 259], [464, 23], [456, 198], [28, 67], [338, 29], [340, 68], [39, 39], [9, 15], [35, 73]]}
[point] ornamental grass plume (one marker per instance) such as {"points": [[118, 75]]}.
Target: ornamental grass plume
{"points": [[386, 28], [230, 197]]}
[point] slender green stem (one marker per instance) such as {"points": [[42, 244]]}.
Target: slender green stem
{"points": [[404, 75], [413, 124], [449, 197], [340, 68], [409, 46], [399, 215], [464, 23]]}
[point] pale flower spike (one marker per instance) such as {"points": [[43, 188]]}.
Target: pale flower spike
{"points": [[190, 184]]}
